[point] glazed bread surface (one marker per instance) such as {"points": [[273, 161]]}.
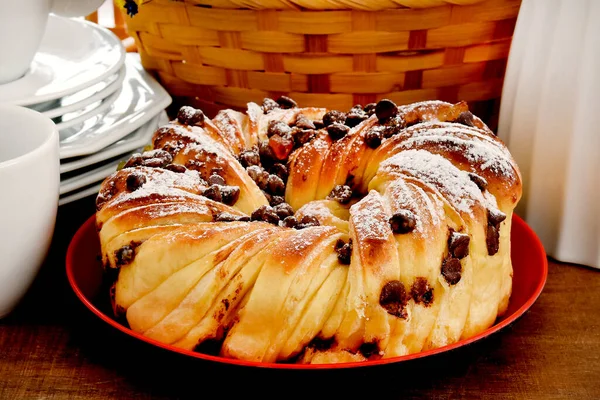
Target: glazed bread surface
{"points": [[306, 235]]}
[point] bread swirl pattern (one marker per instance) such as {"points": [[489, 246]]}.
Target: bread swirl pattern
{"points": [[306, 235]]}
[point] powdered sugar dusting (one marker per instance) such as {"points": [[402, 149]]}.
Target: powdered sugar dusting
{"points": [[183, 131], [486, 156], [303, 158], [370, 219], [205, 146], [170, 209], [438, 172], [427, 110], [229, 123], [163, 183]]}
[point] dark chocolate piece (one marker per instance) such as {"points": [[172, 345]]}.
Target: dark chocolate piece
{"points": [[385, 109], [451, 270], [135, 181], [190, 116], [458, 244], [341, 193], [337, 131], [403, 221], [421, 292], [393, 299], [465, 118]]}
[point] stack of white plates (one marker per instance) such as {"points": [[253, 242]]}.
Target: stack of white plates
{"points": [[104, 104]]}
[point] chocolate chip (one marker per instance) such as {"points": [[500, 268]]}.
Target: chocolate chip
{"points": [[319, 124], [392, 127], [492, 239], [321, 344], [230, 194], [216, 180], [289, 222], [495, 217], [369, 349], [369, 109], [465, 118], [403, 221], [355, 116], [172, 148], [228, 217], [266, 153], [385, 109], [302, 122], [100, 201], [332, 117], [283, 210], [134, 161], [180, 169], [268, 105], [451, 270], [266, 214], [280, 170], [478, 180], [275, 185], [126, 254], [337, 131], [307, 221], [213, 192], [154, 158], [248, 158], [393, 299], [303, 136], [190, 116], [421, 292], [353, 120], [285, 102], [276, 200], [344, 251], [458, 244], [373, 138], [341, 193], [195, 165], [134, 181], [258, 175], [278, 128]]}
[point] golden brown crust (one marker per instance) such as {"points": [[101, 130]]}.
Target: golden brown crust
{"points": [[412, 253]]}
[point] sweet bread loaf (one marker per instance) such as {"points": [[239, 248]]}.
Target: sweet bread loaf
{"points": [[305, 235]]}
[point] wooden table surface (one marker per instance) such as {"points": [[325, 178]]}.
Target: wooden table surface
{"points": [[54, 348]]}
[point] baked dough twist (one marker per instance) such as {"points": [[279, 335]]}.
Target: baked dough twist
{"points": [[397, 239]]}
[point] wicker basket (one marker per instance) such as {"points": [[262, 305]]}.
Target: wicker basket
{"points": [[213, 55]]}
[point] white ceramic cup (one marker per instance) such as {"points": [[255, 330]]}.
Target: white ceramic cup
{"points": [[29, 187], [22, 26]]}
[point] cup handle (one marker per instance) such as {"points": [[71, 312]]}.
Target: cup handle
{"points": [[75, 8]]}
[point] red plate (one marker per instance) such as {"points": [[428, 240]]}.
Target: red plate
{"points": [[529, 263]]}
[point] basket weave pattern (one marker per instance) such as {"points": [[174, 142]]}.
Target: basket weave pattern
{"points": [[217, 58]]}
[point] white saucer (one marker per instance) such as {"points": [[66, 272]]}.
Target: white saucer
{"points": [[139, 138], [92, 175], [80, 194], [141, 98], [83, 98], [74, 55], [98, 108]]}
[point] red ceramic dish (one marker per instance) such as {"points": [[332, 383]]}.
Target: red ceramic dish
{"points": [[529, 263]]}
